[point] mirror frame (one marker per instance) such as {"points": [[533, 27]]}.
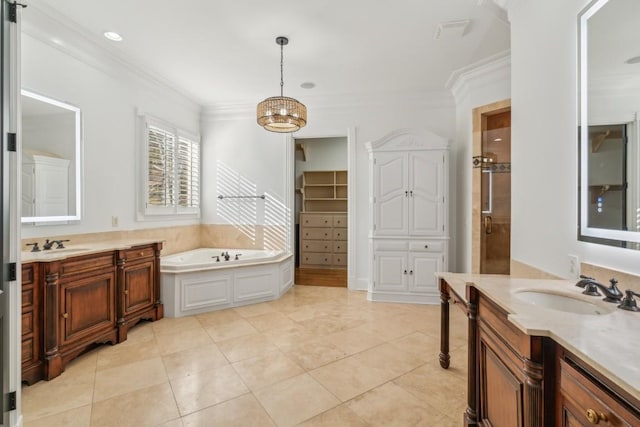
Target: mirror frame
{"points": [[594, 235], [77, 216]]}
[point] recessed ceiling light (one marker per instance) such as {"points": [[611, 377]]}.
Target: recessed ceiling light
{"points": [[634, 60], [113, 36], [308, 85]]}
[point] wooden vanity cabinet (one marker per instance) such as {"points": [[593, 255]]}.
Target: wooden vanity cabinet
{"points": [[32, 365], [511, 378], [586, 398], [74, 304]]}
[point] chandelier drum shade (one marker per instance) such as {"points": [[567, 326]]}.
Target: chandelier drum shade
{"points": [[281, 113]]}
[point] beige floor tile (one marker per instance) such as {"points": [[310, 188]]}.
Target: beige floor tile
{"points": [[296, 399], [384, 327], [246, 347], [173, 423], [218, 317], [140, 331], [84, 364], [231, 329], [146, 407], [206, 389], [426, 347], [314, 353], [351, 342], [388, 359], [254, 309], [79, 417], [324, 325], [339, 416], [267, 369], [172, 325], [127, 378], [287, 339], [127, 352], [271, 322], [59, 395], [178, 341], [442, 388], [194, 360], [390, 405], [239, 412]]}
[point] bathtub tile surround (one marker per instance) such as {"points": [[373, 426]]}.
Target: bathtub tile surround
{"points": [[256, 374], [184, 238]]}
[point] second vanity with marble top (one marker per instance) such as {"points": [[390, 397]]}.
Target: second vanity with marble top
{"points": [[543, 354], [77, 297]]}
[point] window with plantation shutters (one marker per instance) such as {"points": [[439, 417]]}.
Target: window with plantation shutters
{"points": [[172, 181]]}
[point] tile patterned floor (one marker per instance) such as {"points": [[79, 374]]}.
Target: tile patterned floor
{"points": [[319, 356]]}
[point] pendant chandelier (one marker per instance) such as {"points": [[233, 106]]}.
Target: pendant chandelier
{"points": [[280, 113]]}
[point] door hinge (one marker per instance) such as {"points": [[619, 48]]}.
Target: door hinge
{"points": [[11, 142], [13, 271], [11, 401], [13, 10]]}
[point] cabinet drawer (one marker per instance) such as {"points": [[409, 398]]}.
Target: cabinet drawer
{"points": [[316, 246], [339, 234], [316, 259], [138, 253], [339, 220], [316, 220], [340, 247], [28, 274], [317, 233], [426, 246], [340, 259], [28, 355], [86, 264], [27, 323], [585, 399], [27, 299]]}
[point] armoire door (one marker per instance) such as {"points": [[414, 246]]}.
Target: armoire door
{"points": [[426, 193], [391, 192]]}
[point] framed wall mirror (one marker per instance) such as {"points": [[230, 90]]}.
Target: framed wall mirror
{"points": [[51, 160], [609, 123]]}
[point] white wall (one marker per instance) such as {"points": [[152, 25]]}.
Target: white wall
{"points": [[234, 138], [109, 97], [544, 140], [474, 86]]}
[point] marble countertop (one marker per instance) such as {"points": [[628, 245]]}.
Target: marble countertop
{"points": [[79, 249], [608, 342]]}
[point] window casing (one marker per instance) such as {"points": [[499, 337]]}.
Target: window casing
{"points": [[171, 181]]}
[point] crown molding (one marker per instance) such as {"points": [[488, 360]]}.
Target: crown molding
{"points": [[425, 100], [488, 70], [48, 26]]}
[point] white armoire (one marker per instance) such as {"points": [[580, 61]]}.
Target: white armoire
{"points": [[45, 185], [409, 232]]}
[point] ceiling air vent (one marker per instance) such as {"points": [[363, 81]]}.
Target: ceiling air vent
{"points": [[452, 29]]}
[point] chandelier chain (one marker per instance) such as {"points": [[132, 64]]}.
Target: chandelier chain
{"points": [[281, 69]]}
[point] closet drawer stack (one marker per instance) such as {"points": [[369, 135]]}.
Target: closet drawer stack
{"points": [[323, 240]]}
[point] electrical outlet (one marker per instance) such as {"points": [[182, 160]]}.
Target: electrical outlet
{"points": [[114, 221], [573, 266]]}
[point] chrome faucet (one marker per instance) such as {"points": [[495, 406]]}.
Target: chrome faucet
{"points": [[611, 293], [225, 255]]}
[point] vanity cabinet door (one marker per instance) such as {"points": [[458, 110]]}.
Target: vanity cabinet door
{"points": [[87, 307], [31, 327], [138, 287]]}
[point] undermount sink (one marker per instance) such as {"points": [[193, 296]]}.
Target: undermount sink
{"points": [[561, 302], [63, 251]]}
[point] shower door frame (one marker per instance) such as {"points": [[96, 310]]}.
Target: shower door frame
{"points": [[479, 119]]}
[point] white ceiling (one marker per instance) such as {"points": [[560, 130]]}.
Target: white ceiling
{"points": [[220, 52]]}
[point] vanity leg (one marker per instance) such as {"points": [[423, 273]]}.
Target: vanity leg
{"points": [[445, 358], [471, 414], [52, 359]]}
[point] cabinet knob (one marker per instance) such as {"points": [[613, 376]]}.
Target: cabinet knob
{"points": [[126, 291], [594, 417], [65, 315], [325, 221], [426, 246], [405, 272], [410, 271], [141, 254]]}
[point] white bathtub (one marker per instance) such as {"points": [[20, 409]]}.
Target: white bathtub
{"points": [[195, 282]]}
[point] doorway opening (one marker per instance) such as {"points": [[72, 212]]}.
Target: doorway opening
{"points": [[491, 241], [321, 211]]}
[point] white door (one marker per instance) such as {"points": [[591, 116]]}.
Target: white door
{"points": [[422, 269], [390, 190], [426, 193], [390, 271]]}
